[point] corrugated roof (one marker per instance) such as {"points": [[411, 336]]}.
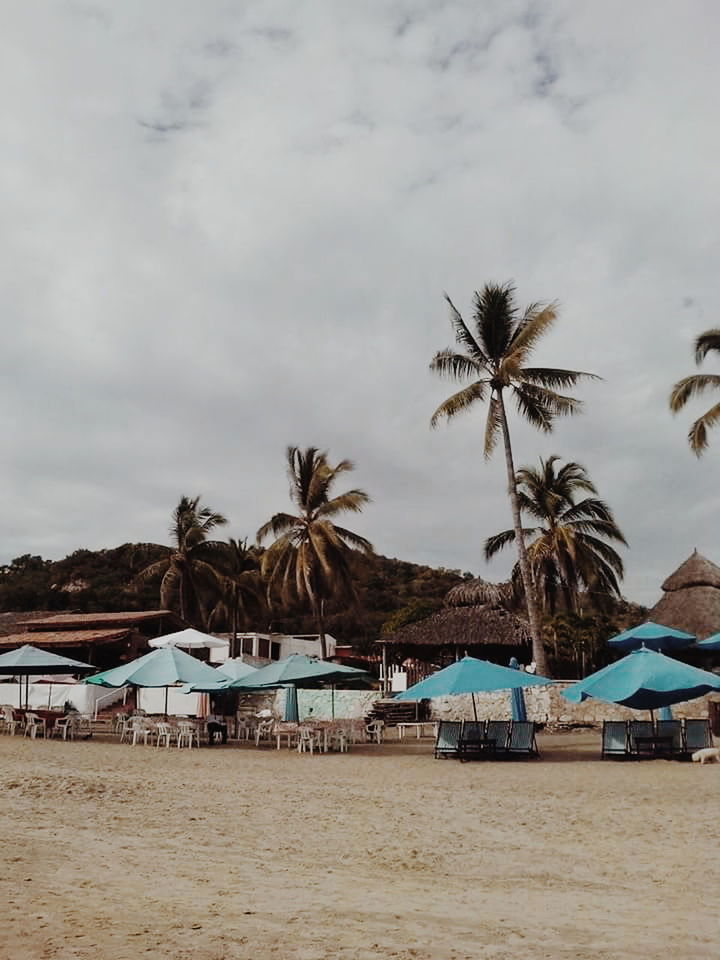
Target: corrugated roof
{"points": [[65, 638]]}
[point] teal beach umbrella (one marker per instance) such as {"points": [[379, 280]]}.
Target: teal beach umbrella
{"points": [[165, 667], [654, 636], [710, 643], [301, 671], [471, 675], [517, 700], [644, 680], [28, 661]]}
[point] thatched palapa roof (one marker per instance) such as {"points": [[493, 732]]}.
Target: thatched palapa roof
{"points": [[471, 593], [464, 627], [692, 598]]}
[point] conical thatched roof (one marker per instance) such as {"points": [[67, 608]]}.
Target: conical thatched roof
{"points": [[464, 627], [696, 571], [470, 593], [692, 598]]}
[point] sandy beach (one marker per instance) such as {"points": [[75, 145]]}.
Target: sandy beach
{"points": [[113, 853]]}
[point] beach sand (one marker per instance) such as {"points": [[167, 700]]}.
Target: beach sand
{"points": [[111, 852]]}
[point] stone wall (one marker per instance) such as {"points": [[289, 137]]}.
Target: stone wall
{"points": [[545, 705]]}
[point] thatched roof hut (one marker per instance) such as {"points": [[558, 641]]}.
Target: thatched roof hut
{"points": [[691, 600], [483, 630], [475, 592]]}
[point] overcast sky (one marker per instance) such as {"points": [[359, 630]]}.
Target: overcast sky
{"points": [[227, 227]]}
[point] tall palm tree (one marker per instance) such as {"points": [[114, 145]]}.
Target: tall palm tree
{"points": [[309, 560], [693, 386], [187, 570], [494, 359], [568, 548], [238, 569]]}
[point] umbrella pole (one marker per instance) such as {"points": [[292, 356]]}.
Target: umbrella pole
{"points": [[332, 700], [27, 691], [166, 702], [49, 694], [474, 708]]}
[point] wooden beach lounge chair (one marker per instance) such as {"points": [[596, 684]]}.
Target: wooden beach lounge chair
{"points": [[614, 739], [697, 736], [447, 743], [499, 731], [671, 728], [522, 739]]}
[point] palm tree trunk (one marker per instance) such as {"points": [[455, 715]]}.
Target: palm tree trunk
{"points": [[538, 648], [320, 616]]}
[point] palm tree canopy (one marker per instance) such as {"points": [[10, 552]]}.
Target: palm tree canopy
{"points": [[309, 558], [694, 386], [568, 547], [494, 357], [187, 571]]}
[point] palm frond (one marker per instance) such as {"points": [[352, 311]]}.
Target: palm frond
{"points": [[455, 366], [351, 500], [493, 427], [536, 322], [354, 540], [553, 377], [459, 402], [533, 408], [710, 340], [697, 435], [495, 317], [463, 335], [499, 541], [277, 525], [692, 386]]}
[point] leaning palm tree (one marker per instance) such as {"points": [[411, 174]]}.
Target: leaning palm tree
{"points": [[568, 548], [309, 560], [693, 386], [494, 359], [238, 570], [187, 571]]}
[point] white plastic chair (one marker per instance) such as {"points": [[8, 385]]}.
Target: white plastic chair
{"points": [[33, 723], [308, 740], [374, 730], [164, 733], [138, 729], [187, 735], [264, 731], [63, 727], [8, 719]]}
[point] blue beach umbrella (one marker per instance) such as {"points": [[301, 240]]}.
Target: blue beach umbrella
{"points": [[165, 667], [517, 700], [710, 643], [471, 675], [644, 680], [654, 636], [292, 714]]}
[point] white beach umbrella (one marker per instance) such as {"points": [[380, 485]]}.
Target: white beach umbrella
{"points": [[188, 639]]}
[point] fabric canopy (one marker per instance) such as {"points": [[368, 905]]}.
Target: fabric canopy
{"points": [[236, 669], [654, 636], [32, 661], [710, 643], [470, 675], [644, 680], [299, 670], [189, 640], [160, 668]]}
